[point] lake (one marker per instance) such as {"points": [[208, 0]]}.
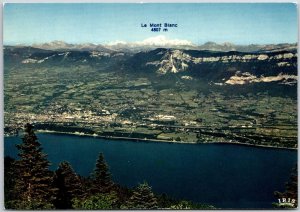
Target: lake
{"points": [[224, 175]]}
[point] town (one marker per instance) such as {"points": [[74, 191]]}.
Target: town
{"points": [[85, 101]]}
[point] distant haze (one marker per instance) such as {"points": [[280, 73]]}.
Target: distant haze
{"points": [[160, 41]]}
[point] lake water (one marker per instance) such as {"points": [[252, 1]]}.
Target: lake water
{"points": [[224, 175]]}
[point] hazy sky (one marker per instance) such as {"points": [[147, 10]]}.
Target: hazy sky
{"points": [[102, 23]]}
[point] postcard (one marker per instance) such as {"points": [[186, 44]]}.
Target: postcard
{"points": [[150, 106]]}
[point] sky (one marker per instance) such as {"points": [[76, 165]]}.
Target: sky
{"points": [[102, 23]]}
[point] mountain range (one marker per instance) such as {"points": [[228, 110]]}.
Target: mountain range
{"points": [[268, 64], [248, 97], [163, 42]]}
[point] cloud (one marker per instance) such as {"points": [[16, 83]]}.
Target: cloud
{"points": [[116, 42], [159, 40]]}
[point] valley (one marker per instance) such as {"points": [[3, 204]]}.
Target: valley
{"points": [[165, 95]]}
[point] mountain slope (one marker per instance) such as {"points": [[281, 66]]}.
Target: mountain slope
{"points": [[219, 67]]}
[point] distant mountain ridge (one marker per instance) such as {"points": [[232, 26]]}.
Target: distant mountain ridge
{"points": [[162, 42], [225, 47], [61, 45]]}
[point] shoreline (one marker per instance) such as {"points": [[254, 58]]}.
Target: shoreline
{"points": [[159, 140]]}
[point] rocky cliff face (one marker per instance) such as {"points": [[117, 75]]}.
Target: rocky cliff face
{"points": [[219, 68], [175, 61], [231, 68]]}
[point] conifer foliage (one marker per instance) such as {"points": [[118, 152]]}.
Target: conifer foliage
{"points": [[289, 198], [29, 184], [69, 186], [9, 180], [34, 183], [142, 198], [101, 178]]}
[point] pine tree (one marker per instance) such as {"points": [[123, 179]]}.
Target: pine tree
{"points": [[142, 198], [9, 181], [291, 192], [101, 178], [69, 186], [35, 181], [97, 202]]}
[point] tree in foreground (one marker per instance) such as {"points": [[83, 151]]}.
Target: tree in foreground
{"points": [[97, 202], [101, 178], [69, 186], [189, 205], [34, 183], [142, 198], [289, 198], [9, 180]]}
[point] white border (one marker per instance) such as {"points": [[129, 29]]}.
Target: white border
{"points": [[116, 1]]}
